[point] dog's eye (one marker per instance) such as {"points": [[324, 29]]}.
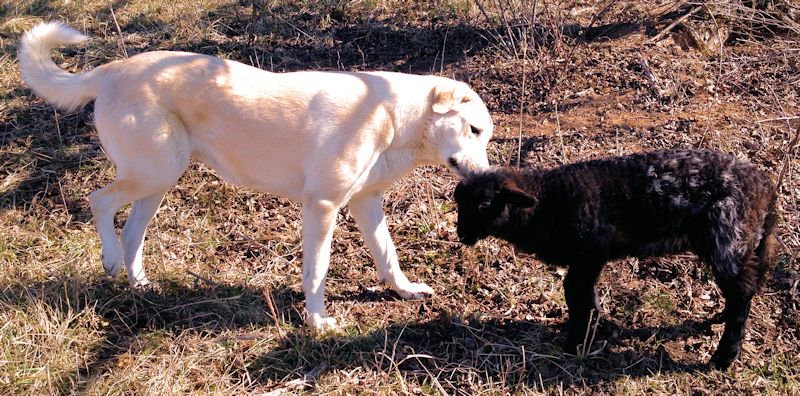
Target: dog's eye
{"points": [[475, 130]]}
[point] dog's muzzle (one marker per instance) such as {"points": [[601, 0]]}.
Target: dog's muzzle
{"points": [[464, 168]]}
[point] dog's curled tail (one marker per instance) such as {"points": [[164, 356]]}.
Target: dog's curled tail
{"points": [[63, 89]]}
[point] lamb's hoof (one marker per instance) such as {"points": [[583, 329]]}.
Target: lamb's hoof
{"points": [[320, 324], [415, 291], [721, 361]]}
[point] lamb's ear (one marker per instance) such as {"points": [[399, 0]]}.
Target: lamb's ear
{"points": [[445, 97], [516, 196]]}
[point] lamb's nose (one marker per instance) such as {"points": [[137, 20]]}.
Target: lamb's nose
{"points": [[469, 241]]}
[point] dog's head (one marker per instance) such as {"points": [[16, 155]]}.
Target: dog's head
{"points": [[460, 128], [482, 199]]}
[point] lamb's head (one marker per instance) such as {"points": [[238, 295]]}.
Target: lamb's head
{"points": [[460, 128], [483, 199]]}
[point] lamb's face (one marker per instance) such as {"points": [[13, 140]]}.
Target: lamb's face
{"points": [[479, 207], [482, 201]]}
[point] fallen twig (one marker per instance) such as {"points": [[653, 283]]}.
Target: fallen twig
{"points": [[308, 379], [119, 31], [271, 306], [789, 153], [787, 118], [652, 80], [673, 24]]}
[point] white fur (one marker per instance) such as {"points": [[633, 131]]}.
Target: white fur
{"points": [[324, 138]]}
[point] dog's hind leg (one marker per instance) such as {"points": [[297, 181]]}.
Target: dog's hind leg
{"points": [[133, 235], [105, 203], [368, 213], [151, 151]]}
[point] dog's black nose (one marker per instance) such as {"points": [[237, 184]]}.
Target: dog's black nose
{"points": [[452, 161]]}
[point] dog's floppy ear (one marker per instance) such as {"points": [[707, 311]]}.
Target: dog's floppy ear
{"points": [[515, 195], [445, 97]]}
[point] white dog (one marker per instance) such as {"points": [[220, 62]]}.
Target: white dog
{"points": [[326, 139]]}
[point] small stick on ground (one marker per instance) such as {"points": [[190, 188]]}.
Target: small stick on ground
{"points": [[271, 305], [203, 278], [673, 24], [119, 32], [560, 136], [652, 80], [300, 383], [786, 157]]}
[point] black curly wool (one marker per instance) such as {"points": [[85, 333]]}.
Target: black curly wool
{"points": [[584, 214]]}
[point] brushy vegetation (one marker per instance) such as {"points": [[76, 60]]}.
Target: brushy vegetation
{"points": [[564, 80]]}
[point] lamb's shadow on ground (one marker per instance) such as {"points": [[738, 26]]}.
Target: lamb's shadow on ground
{"points": [[501, 351]]}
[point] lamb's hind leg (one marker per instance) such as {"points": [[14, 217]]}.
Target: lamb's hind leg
{"points": [[738, 293], [739, 268]]}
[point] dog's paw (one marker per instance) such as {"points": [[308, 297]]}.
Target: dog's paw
{"points": [[319, 324], [145, 287], [142, 284], [112, 261], [415, 291]]}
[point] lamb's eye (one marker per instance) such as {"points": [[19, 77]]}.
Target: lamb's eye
{"points": [[475, 130]]}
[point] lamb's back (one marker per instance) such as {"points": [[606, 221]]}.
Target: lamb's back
{"points": [[639, 204]]}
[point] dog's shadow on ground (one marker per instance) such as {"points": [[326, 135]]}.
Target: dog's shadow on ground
{"points": [[437, 345]]}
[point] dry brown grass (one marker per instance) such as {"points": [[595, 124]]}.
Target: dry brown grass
{"points": [[227, 317]]}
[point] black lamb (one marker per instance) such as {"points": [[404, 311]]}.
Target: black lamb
{"points": [[584, 214]]}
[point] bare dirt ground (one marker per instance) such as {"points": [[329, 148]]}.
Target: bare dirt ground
{"points": [[227, 316]]}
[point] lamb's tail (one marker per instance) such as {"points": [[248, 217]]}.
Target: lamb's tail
{"points": [[769, 246], [64, 90]]}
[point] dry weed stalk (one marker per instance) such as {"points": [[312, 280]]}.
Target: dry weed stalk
{"points": [[756, 18]]}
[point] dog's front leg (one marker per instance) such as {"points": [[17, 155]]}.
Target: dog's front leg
{"points": [[319, 218], [368, 213]]}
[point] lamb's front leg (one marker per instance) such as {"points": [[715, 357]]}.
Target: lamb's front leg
{"points": [[319, 218], [368, 212], [581, 297]]}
